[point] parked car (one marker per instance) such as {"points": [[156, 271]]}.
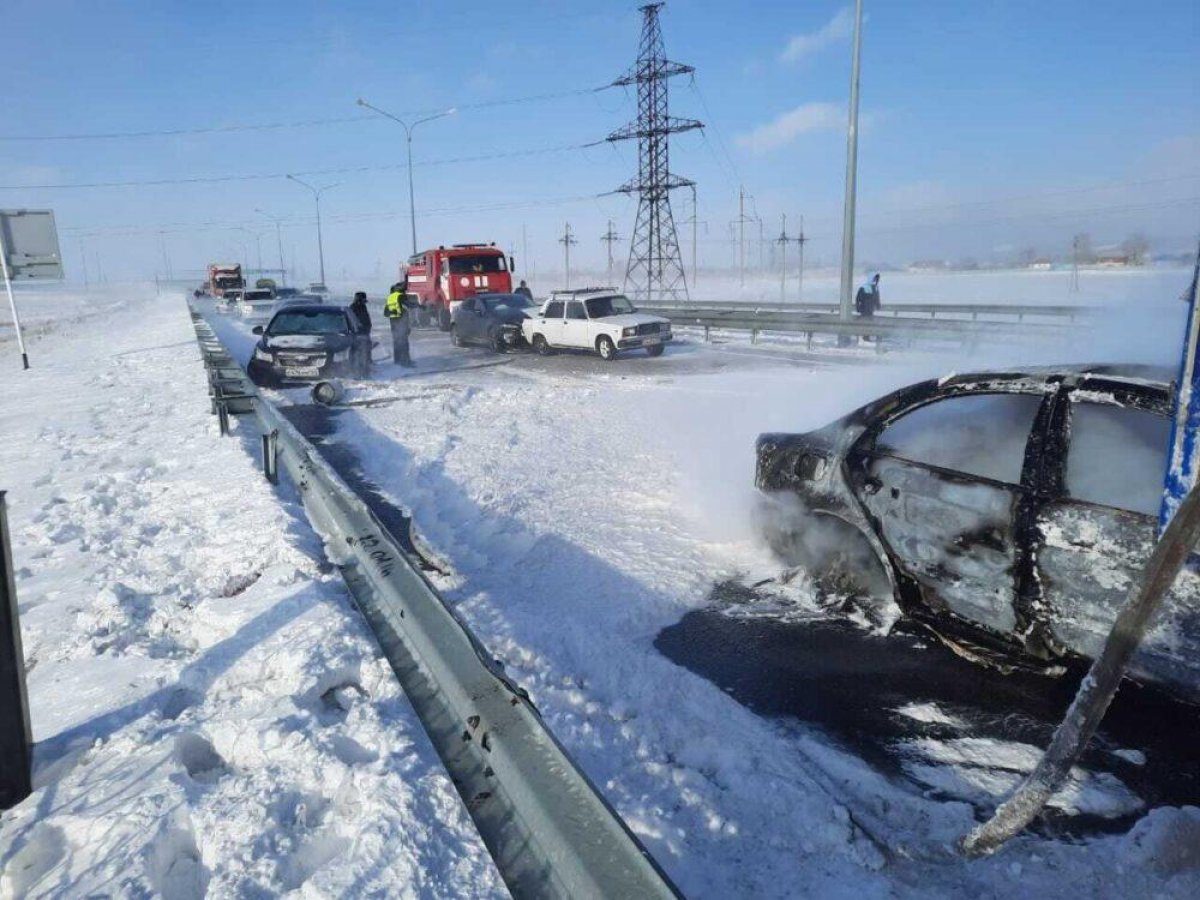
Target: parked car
{"points": [[597, 319], [256, 300], [310, 342], [1007, 513], [493, 320]]}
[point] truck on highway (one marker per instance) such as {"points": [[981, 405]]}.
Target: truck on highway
{"points": [[223, 277], [442, 277]]}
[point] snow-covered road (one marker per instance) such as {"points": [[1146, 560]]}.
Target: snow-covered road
{"points": [[212, 716]]}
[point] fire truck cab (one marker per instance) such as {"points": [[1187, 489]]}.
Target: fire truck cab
{"points": [[443, 277]]}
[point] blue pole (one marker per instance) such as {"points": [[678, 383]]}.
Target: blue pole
{"points": [[1183, 462]]}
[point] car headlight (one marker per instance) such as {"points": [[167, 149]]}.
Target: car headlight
{"points": [[629, 332], [344, 356], [264, 355]]}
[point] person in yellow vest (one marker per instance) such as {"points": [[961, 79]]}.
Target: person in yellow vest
{"points": [[401, 320]]}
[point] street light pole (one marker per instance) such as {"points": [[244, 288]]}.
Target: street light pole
{"points": [[279, 241], [851, 170], [408, 134], [317, 192]]}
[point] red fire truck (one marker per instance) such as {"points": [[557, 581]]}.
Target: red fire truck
{"points": [[224, 277], [443, 277]]}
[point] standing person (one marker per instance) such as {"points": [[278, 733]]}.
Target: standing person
{"points": [[867, 301], [359, 310], [524, 290], [401, 321]]}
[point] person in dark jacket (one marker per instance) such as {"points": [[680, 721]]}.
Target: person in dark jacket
{"points": [[401, 321], [867, 301], [359, 310], [524, 290]]}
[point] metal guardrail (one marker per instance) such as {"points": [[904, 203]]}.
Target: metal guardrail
{"points": [[756, 319], [1004, 311], [549, 830]]}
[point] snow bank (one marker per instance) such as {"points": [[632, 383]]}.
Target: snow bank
{"points": [[211, 715]]}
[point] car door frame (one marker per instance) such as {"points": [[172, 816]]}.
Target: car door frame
{"points": [[1032, 631], [575, 332], [466, 319]]}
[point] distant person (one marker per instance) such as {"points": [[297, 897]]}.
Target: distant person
{"points": [[524, 291], [867, 301], [358, 309], [401, 322]]}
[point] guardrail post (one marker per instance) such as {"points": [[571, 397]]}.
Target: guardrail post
{"points": [[270, 452], [754, 335], [16, 736], [707, 339], [223, 416]]}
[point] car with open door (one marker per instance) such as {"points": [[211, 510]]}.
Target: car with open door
{"points": [[491, 320], [309, 342], [1010, 514]]}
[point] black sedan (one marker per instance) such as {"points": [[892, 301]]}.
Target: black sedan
{"points": [[1008, 513], [307, 342], [493, 320]]}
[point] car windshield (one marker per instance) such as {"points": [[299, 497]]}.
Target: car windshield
{"points": [[508, 301], [308, 321], [481, 264], [602, 307]]}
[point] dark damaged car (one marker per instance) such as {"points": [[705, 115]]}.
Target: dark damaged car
{"points": [[309, 342], [1008, 513]]}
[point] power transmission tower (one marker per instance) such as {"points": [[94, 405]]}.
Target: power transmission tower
{"points": [[655, 270], [610, 237], [567, 240]]}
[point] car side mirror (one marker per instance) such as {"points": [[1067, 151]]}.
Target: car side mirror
{"points": [[257, 329]]}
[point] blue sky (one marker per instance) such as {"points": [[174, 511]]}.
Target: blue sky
{"points": [[987, 126]]}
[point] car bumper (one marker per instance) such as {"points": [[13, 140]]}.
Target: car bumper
{"points": [[305, 374], [644, 340]]}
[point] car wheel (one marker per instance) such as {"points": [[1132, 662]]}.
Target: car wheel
{"points": [[444, 320], [606, 348], [496, 339], [455, 340], [656, 350], [540, 347]]}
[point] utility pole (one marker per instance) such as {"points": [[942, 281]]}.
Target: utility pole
{"points": [[694, 221], [162, 242], [742, 235], [524, 249], [655, 270], [610, 237], [800, 242], [567, 240], [83, 262], [783, 240], [851, 171], [1075, 265]]}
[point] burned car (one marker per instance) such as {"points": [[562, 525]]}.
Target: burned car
{"points": [[1008, 513], [308, 342]]}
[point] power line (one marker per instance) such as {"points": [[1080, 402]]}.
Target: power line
{"points": [[350, 170], [303, 123]]}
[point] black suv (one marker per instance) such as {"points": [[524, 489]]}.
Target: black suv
{"points": [[307, 342]]}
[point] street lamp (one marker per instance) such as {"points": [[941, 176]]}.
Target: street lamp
{"points": [[408, 130], [317, 192], [278, 240], [257, 244]]}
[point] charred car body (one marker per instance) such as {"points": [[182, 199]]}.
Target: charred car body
{"points": [[1009, 513], [309, 342]]}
